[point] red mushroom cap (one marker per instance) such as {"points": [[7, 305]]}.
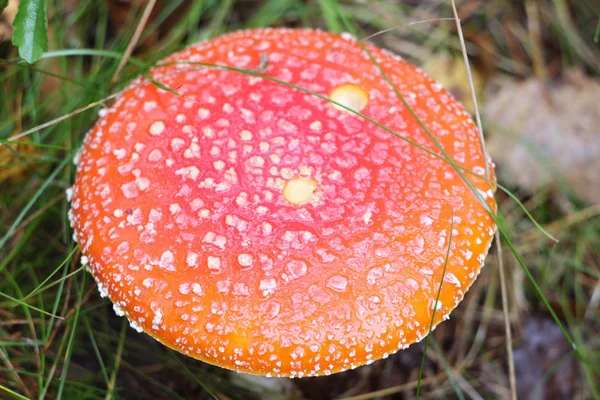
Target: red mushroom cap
{"points": [[259, 228]]}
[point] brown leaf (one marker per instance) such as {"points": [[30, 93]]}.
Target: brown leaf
{"points": [[16, 160], [542, 132], [6, 20]]}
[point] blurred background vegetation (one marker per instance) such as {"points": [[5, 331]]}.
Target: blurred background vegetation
{"points": [[535, 65]]}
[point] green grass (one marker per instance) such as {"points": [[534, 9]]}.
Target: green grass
{"points": [[58, 339]]}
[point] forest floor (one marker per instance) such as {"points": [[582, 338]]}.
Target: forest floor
{"points": [[535, 67]]}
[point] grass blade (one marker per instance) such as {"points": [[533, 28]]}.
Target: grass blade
{"points": [[198, 381], [34, 198], [69, 350], [24, 304], [34, 291], [503, 290], [111, 388], [435, 305], [12, 393]]}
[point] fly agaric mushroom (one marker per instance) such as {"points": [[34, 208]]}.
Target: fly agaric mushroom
{"points": [[259, 228]]}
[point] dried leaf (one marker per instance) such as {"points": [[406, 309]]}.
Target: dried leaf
{"points": [[16, 160], [542, 131], [8, 10]]}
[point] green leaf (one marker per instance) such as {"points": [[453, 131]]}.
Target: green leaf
{"points": [[31, 29], [3, 4]]}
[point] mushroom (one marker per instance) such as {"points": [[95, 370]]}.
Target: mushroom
{"points": [[260, 228]]}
